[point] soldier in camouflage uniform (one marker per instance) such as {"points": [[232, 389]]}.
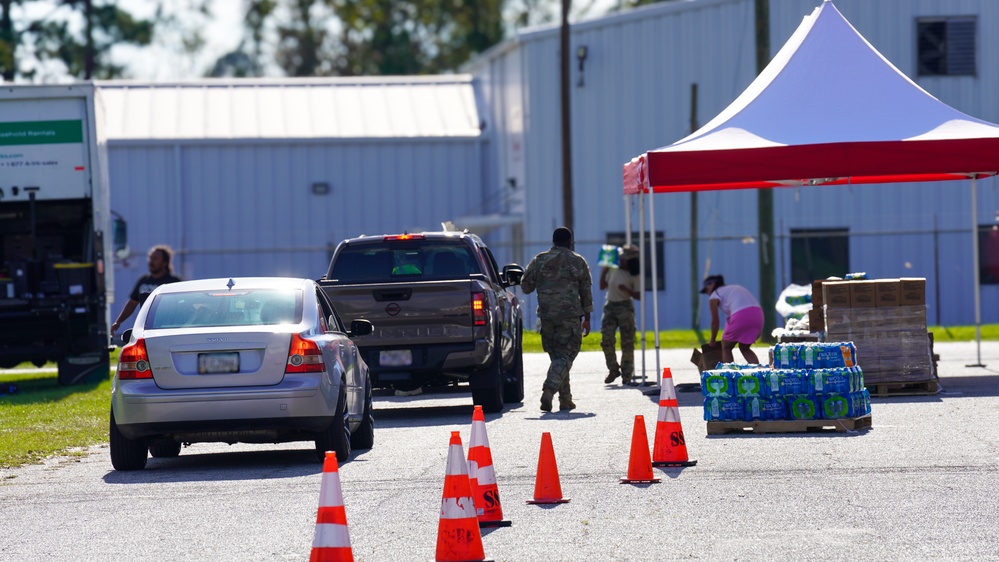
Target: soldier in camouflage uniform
{"points": [[562, 279], [622, 285]]}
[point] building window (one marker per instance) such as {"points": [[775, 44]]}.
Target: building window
{"points": [[988, 254], [947, 46], [819, 253], [617, 239]]}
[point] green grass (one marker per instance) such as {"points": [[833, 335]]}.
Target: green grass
{"points": [[44, 418], [670, 339], [677, 339], [964, 333]]}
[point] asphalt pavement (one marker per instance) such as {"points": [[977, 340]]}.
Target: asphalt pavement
{"points": [[919, 485]]}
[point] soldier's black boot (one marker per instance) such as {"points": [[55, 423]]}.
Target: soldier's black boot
{"points": [[612, 376], [546, 399]]}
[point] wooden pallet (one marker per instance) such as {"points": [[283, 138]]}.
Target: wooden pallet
{"points": [[887, 389], [789, 426]]}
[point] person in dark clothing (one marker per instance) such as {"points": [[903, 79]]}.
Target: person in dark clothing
{"points": [[565, 301], [160, 273]]}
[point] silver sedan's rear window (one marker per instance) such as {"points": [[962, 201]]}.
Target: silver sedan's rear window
{"points": [[202, 309]]}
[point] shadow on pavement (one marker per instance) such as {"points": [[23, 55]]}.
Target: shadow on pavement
{"points": [[192, 466]]}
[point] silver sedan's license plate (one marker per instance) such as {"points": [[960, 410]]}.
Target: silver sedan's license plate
{"points": [[395, 358], [212, 363]]}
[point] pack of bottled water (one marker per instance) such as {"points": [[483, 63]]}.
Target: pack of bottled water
{"points": [[757, 392], [814, 355]]}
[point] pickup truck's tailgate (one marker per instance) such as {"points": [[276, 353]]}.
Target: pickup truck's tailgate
{"points": [[420, 313]]}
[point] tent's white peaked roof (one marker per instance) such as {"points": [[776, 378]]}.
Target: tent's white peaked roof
{"points": [[829, 108]]}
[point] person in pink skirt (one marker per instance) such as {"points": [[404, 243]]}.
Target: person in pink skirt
{"points": [[743, 317]]}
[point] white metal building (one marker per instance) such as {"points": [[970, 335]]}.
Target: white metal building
{"points": [[262, 176], [265, 177], [634, 75]]}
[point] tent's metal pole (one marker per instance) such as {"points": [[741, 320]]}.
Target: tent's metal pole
{"points": [[641, 269], [655, 287], [975, 271], [627, 219], [627, 240]]}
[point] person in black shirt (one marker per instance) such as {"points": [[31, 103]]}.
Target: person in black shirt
{"points": [[160, 273]]}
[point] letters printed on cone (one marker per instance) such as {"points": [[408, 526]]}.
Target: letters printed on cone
{"points": [[458, 535], [670, 447], [481, 476]]}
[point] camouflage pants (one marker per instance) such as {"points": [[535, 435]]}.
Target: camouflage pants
{"points": [[561, 340], [619, 316]]}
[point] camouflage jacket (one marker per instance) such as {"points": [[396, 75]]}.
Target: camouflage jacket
{"points": [[563, 281]]}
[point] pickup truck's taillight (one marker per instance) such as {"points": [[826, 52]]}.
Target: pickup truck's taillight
{"points": [[304, 356], [479, 308], [133, 363]]}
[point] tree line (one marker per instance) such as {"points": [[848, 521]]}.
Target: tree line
{"points": [[40, 39]]}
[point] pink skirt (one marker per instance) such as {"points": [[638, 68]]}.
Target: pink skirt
{"points": [[744, 326]]}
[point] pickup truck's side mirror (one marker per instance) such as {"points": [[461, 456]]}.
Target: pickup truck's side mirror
{"points": [[360, 327], [513, 273]]}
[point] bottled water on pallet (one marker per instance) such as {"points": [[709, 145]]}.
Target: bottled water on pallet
{"points": [[860, 402], [838, 380], [764, 408], [801, 407], [836, 406], [740, 366], [717, 384], [718, 408], [748, 393], [751, 383], [787, 356], [793, 382], [856, 379], [814, 355]]}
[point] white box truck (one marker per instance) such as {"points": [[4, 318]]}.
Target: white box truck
{"points": [[56, 243]]}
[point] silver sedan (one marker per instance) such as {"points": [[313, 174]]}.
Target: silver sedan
{"points": [[243, 360]]}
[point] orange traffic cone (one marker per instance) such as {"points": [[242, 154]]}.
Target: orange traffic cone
{"points": [[458, 536], [547, 488], [670, 448], [639, 463], [331, 543], [481, 477]]}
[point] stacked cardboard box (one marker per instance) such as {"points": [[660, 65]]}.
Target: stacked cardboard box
{"points": [[707, 357], [886, 321], [816, 319]]}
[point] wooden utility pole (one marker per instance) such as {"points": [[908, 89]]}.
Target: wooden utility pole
{"points": [[8, 40], [88, 48], [765, 197], [567, 214], [695, 266]]}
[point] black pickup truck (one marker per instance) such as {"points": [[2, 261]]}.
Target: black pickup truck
{"points": [[443, 312]]}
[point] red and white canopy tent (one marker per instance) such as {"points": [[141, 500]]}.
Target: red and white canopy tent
{"points": [[829, 109]]}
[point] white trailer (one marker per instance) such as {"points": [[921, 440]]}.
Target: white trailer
{"points": [[56, 275]]}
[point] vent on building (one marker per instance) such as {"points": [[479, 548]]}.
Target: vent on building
{"points": [[947, 46]]}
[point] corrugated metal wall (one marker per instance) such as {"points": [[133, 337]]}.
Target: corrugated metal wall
{"points": [[915, 229], [636, 96], [247, 208]]}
